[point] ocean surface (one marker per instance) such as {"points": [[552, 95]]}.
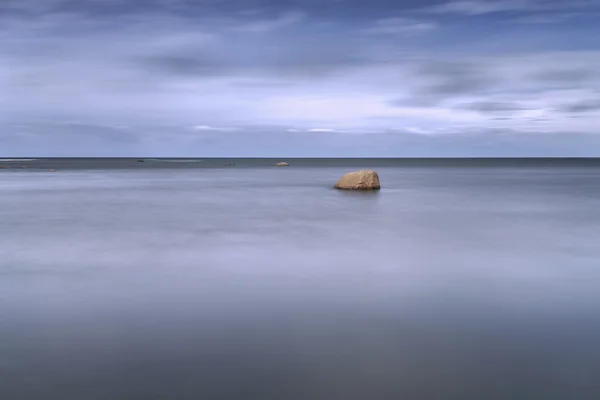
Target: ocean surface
{"points": [[235, 279]]}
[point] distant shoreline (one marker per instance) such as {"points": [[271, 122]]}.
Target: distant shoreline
{"points": [[9, 159], [348, 164]]}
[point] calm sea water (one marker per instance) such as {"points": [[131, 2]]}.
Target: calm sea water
{"points": [[452, 282]]}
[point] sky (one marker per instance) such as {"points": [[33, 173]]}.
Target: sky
{"points": [[299, 78]]}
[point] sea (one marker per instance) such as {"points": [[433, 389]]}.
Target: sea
{"points": [[143, 279]]}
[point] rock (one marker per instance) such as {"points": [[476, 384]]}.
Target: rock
{"points": [[282, 164], [52, 170], [359, 180]]}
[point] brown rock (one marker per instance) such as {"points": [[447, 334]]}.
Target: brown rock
{"points": [[359, 180], [282, 164]]}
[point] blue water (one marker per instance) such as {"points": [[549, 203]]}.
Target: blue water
{"points": [[265, 283]]}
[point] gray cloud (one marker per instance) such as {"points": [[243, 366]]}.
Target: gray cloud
{"points": [[185, 64], [497, 84], [441, 80], [492, 107], [479, 7], [283, 55], [566, 75], [582, 106], [455, 77], [255, 72], [329, 8], [482, 7], [548, 18]]}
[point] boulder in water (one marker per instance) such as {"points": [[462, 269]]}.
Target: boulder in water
{"points": [[282, 164], [359, 180]]}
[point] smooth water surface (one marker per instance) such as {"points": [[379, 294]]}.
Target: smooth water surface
{"points": [[265, 283]]}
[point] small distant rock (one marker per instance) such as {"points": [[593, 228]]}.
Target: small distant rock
{"points": [[282, 164], [52, 170], [359, 180]]}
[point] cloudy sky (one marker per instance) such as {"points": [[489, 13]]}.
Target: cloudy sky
{"points": [[299, 78]]}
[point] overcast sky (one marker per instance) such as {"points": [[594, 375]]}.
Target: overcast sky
{"points": [[299, 78]]}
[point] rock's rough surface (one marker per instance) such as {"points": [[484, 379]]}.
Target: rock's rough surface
{"points": [[282, 164], [359, 180]]}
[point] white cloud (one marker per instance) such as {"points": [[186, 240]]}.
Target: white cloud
{"points": [[416, 130], [214, 128], [268, 25], [401, 26]]}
